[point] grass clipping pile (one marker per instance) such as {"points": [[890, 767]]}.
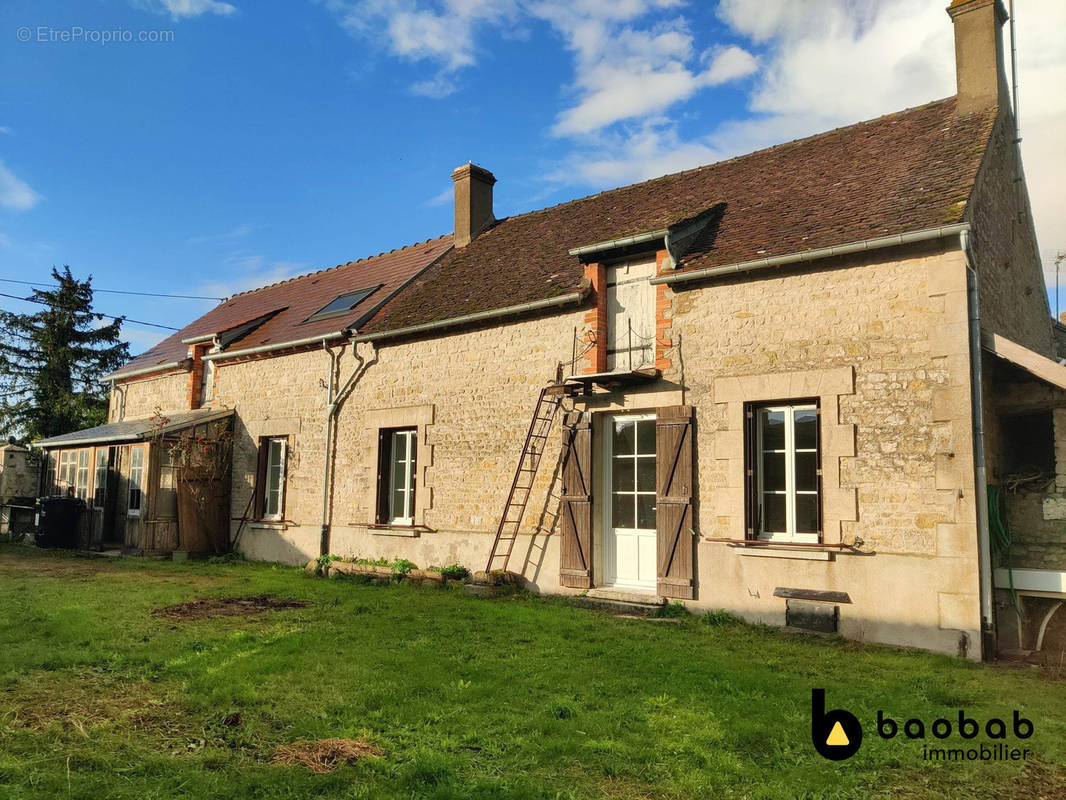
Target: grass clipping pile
{"points": [[325, 755]]}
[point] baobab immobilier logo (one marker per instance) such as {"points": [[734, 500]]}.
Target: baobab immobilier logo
{"points": [[837, 734]]}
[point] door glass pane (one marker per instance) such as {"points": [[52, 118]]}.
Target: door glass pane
{"points": [[646, 511], [772, 424], [624, 438], [646, 437], [806, 472], [622, 475], [774, 513], [806, 429], [773, 472], [806, 513], [100, 482], [646, 474], [622, 511]]}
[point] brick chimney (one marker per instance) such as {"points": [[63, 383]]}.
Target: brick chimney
{"points": [[979, 70], [473, 202]]}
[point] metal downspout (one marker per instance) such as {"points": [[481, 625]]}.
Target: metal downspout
{"points": [[984, 555], [327, 453], [332, 405]]}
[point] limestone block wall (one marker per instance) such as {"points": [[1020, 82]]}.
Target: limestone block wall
{"points": [[1013, 296], [18, 472], [883, 345], [470, 394], [140, 397], [881, 342]]}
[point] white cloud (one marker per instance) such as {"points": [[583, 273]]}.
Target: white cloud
{"points": [[15, 193], [235, 233], [730, 64], [245, 271], [444, 37], [444, 197], [186, 9], [6, 129]]}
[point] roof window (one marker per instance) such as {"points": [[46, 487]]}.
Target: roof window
{"points": [[343, 303]]}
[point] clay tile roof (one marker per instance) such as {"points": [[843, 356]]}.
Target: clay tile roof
{"points": [[291, 302], [898, 173]]}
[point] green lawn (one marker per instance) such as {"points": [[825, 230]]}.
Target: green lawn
{"points": [[519, 697]]}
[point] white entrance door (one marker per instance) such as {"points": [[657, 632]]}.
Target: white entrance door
{"points": [[629, 527]]}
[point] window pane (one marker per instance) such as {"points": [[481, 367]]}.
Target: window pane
{"points": [[773, 472], [774, 513], [646, 437], [646, 474], [274, 456], [806, 513], [806, 429], [772, 424], [622, 511], [624, 438], [646, 511], [622, 475], [806, 472]]}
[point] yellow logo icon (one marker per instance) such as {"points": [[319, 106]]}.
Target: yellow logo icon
{"points": [[837, 737]]}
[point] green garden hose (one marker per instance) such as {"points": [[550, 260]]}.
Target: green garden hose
{"points": [[999, 535]]}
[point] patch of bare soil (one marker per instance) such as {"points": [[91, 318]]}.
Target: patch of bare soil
{"points": [[87, 703], [1037, 782], [325, 755], [207, 607]]}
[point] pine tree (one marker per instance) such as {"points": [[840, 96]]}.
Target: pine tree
{"points": [[51, 361]]}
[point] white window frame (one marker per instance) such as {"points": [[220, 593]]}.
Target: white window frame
{"points": [[790, 492], [409, 462], [66, 465], [97, 463], [282, 469], [82, 475], [130, 511]]}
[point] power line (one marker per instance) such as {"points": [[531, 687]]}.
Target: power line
{"points": [[120, 291], [94, 313]]}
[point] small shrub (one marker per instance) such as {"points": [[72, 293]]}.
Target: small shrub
{"points": [[720, 616], [403, 566], [372, 562], [455, 572], [323, 563], [673, 610]]}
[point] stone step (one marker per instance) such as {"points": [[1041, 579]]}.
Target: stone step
{"points": [[623, 603], [626, 596]]}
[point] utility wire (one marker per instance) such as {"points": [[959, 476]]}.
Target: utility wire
{"points": [[94, 313], [119, 291]]}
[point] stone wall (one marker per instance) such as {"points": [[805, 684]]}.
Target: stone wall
{"points": [[887, 336], [18, 472], [140, 397], [883, 345], [1013, 295], [470, 394]]}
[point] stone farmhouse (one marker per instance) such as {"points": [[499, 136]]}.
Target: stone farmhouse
{"points": [[801, 385]]}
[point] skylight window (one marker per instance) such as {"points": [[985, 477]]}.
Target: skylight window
{"points": [[343, 303]]}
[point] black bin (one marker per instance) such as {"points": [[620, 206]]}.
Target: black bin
{"points": [[57, 521]]}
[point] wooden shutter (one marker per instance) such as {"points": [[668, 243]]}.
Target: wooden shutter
{"points": [[575, 511], [752, 523], [260, 478], [673, 488], [381, 514]]}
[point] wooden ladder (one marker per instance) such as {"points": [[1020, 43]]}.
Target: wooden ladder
{"points": [[518, 497]]}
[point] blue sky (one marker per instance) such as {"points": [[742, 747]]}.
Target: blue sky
{"points": [[262, 140]]}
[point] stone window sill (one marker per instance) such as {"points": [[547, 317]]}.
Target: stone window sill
{"points": [[269, 524]]}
